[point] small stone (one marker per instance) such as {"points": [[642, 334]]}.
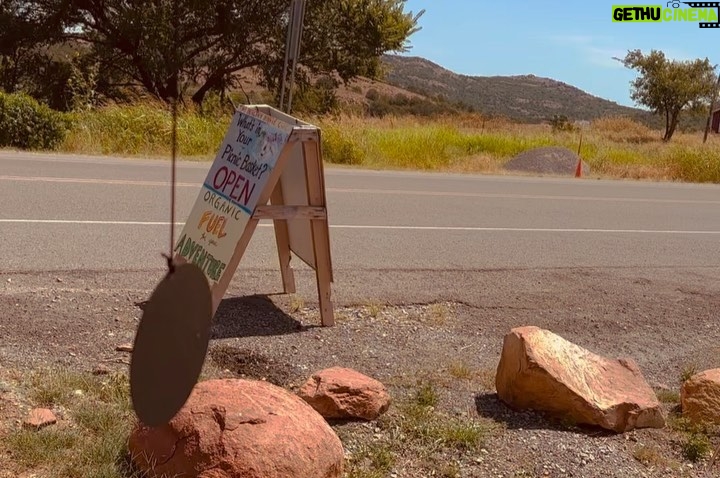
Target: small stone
{"points": [[345, 393], [124, 348], [40, 418], [78, 393], [101, 369], [59, 279]]}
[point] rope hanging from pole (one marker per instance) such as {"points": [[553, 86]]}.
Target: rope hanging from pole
{"points": [[174, 74]]}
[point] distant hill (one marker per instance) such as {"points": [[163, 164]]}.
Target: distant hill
{"points": [[526, 98]]}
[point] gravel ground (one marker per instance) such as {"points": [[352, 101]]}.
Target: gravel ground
{"points": [[547, 160], [450, 337]]}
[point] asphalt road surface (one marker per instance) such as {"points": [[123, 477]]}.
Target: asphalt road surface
{"points": [[69, 213]]}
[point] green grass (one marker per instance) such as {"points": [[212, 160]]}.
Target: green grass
{"points": [[696, 447], [32, 448], [374, 460], [668, 396], [144, 130], [92, 441], [425, 395], [688, 372], [612, 147], [425, 146], [416, 434]]}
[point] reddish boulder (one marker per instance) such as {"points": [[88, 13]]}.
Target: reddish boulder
{"points": [[39, 418], [344, 393], [700, 397], [240, 429], [541, 371]]}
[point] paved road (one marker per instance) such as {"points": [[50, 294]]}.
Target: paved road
{"points": [[69, 212]]}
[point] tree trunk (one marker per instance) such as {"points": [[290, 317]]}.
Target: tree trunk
{"points": [[670, 130], [214, 81]]}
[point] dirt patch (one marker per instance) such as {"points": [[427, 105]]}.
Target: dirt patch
{"points": [[250, 364]]}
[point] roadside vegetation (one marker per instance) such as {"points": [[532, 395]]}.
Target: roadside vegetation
{"points": [[74, 79], [464, 142], [95, 418]]}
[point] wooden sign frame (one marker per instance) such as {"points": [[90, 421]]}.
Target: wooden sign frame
{"points": [[294, 199]]}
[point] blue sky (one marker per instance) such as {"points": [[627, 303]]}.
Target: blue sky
{"points": [[570, 41]]}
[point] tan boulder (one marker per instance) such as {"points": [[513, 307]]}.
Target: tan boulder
{"points": [[39, 418], [345, 393], [240, 429], [700, 397], [541, 371]]}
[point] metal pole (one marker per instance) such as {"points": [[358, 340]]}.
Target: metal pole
{"points": [[295, 49], [712, 107], [288, 40]]}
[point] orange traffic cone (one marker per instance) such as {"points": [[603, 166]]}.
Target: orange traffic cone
{"points": [[578, 169]]}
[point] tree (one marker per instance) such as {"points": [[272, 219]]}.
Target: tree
{"points": [[669, 87], [23, 37], [201, 45]]}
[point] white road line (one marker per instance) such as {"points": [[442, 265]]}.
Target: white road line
{"points": [[379, 227], [123, 182], [408, 192], [397, 192], [162, 162]]}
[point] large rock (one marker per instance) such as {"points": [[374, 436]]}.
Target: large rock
{"points": [[240, 428], [541, 371], [547, 160], [700, 397], [345, 393]]}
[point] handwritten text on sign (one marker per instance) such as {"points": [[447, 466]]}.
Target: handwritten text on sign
{"points": [[231, 190]]}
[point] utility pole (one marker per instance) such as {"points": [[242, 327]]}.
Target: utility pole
{"points": [[712, 107], [292, 51]]}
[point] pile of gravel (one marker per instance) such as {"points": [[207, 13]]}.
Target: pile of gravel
{"points": [[547, 160]]}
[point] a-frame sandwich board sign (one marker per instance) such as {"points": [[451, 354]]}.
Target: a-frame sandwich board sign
{"points": [[269, 166]]}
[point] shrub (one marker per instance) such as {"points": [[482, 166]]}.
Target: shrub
{"points": [[146, 129], [27, 124], [696, 447], [622, 129], [561, 123], [340, 148]]}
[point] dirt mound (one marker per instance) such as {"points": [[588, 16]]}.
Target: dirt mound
{"points": [[547, 160]]}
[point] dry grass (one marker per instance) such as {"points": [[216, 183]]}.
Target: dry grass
{"points": [[373, 308], [439, 314], [296, 304], [460, 370], [613, 147], [652, 457]]}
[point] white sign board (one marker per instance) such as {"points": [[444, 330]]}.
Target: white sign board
{"points": [[228, 197]]}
